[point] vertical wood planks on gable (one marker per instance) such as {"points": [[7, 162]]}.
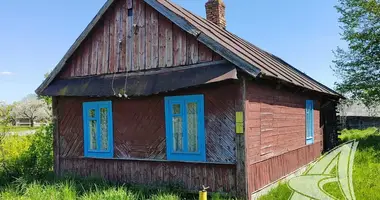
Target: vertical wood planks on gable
{"points": [[151, 38], [106, 46], [113, 38], [117, 27], [100, 53], [192, 50], [86, 57], [205, 53], [123, 36], [94, 54], [142, 35], [165, 42], [129, 35], [73, 65], [179, 46], [139, 35]]}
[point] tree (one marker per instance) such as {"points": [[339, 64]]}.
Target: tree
{"points": [[48, 100], [32, 109], [358, 66], [6, 118]]}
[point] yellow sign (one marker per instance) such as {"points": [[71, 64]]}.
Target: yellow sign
{"points": [[239, 116], [239, 122]]}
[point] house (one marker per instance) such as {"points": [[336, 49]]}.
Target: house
{"points": [[355, 115], [152, 94], [27, 122]]}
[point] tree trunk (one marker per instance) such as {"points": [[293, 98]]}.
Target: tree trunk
{"points": [[31, 122]]}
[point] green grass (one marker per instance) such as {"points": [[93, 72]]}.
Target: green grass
{"points": [[90, 189], [366, 170], [16, 129]]}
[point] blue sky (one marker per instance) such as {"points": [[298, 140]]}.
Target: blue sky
{"points": [[36, 34]]}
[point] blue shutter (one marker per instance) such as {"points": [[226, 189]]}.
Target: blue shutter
{"points": [[309, 121]]}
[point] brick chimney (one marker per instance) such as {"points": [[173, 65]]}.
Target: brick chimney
{"points": [[216, 12]]}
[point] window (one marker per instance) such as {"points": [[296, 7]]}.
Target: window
{"points": [[98, 129], [185, 136], [309, 122]]}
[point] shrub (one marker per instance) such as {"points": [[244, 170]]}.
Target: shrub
{"points": [[29, 156], [38, 160]]}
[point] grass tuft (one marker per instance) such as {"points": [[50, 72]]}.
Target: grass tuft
{"points": [[365, 173]]}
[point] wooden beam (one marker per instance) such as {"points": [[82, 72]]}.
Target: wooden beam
{"points": [[56, 138], [241, 172], [74, 47], [164, 70]]}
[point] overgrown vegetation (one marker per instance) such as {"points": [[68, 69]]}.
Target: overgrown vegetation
{"points": [[366, 168], [26, 173]]}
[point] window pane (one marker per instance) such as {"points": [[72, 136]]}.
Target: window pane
{"points": [[176, 109], [103, 129], [93, 145], [177, 134], [192, 127], [91, 113]]}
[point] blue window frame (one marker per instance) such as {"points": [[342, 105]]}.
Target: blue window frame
{"points": [[309, 122], [185, 132], [98, 129]]}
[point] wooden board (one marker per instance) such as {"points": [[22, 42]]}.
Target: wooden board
{"points": [[188, 176], [143, 41]]}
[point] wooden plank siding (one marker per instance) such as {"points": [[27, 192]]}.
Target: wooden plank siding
{"points": [[139, 124], [269, 170], [275, 132], [143, 41], [189, 176]]}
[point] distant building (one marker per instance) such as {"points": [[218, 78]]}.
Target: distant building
{"points": [[26, 122], [357, 116]]}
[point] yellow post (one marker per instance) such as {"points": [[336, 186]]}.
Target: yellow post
{"points": [[203, 193]]}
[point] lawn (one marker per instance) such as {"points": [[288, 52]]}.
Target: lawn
{"points": [[16, 129], [366, 168]]}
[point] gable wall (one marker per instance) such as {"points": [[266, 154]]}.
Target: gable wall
{"points": [[115, 46]]}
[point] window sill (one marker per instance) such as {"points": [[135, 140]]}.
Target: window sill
{"points": [[152, 160]]}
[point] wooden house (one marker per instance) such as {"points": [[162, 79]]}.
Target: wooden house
{"points": [[152, 94]]}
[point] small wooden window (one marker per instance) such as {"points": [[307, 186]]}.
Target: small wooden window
{"points": [[185, 134], [98, 129], [309, 122]]}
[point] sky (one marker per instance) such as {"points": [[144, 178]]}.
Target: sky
{"points": [[36, 34]]}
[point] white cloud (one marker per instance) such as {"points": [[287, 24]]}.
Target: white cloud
{"points": [[5, 73]]}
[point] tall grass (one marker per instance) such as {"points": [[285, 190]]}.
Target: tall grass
{"points": [[26, 175], [366, 169]]}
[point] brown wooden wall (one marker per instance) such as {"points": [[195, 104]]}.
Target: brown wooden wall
{"points": [[116, 45], [140, 142], [275, 132], [190, 176], [275, 120], [139, 124], [269, 170]]}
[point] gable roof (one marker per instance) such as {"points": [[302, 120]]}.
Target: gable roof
{"points": [[243, 54]]}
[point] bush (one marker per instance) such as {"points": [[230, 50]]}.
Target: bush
{"points": [[38, 160], [29, 156]]}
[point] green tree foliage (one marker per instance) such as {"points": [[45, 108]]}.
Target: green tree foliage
{"points": [[48, 100], [358, 66]]}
